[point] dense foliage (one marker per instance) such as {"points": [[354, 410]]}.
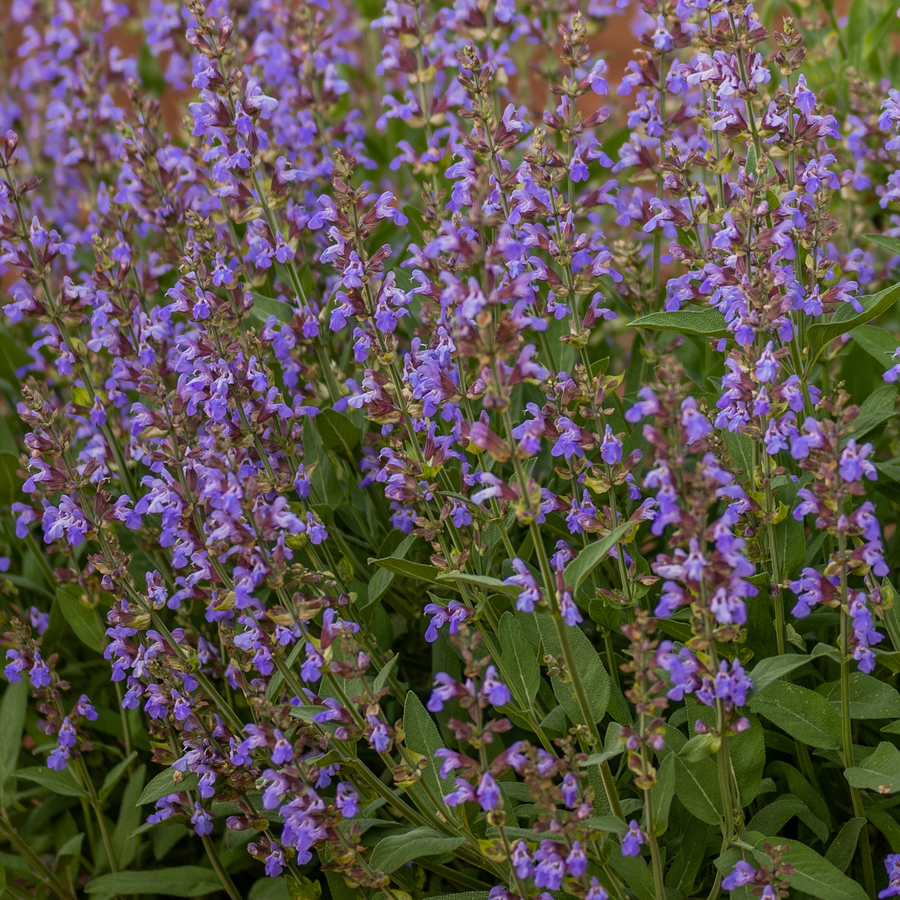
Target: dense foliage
{"points": [[434, 464]]}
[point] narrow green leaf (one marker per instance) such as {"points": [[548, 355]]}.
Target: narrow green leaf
{"points": [[590, 669], [164, 784], [58, 782], [885, 241], [886, 824], [663, 792], [72, 847], [520, 660], [802, 713], [870, 698], [845, 318], [385, 673], [393, 851], [423, 737], [113, 776], [410, 569], [696, 784], [607, 825], [767, 671], [880, 772], [879, 343], [383, 578], [85, 621], [705, 322], [493, 585], [588, 559], [337, 431], [843, 847], [264, 306], [776, 814], [12, 715], [813, 874], [684, 870], [124, 846], [181, 881]]}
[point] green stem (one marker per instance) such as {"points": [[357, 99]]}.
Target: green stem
{"points": [[846, 722], [98, 809], [655, 861], [220, 870]]}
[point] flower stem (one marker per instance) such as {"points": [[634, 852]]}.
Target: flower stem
{"points": [[846, 722]]}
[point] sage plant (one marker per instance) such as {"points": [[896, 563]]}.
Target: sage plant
{"points": [[442, 460]]}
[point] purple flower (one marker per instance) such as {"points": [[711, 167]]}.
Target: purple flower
{"points": [[742, 873], [551, 867], [633, 839], [201, 820], [488, 792], [531, 594], [496, 692], [347, 800]]}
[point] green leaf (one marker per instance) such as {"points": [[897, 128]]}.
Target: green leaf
{"points": [[813, 874], [879, 343], [264, 306], [843, 847], [706, 322], [588, 559], [420, 571], [886, 824], [113, 776], [493, 585], [520, 660], [84, 621], [684, 870], [385, 673], [891, 244], [466, 895], [747, 749], [845, 318], [325, 487], [696, 783], [423, 738], [382, 579], [879, 772], [268, 888], [699, 747], [277, 678], [339, 888], [10, 483], [124, 846], [663, 792], [337, 431], [740, 448], [607, 825], [393, 851], [870, 698], [634, 872], [802, 713], [777, 813], [164, 784], [12, 715], [590, 669], [767, 671], [58, 782], [181, 881], [875, 410], [72, 847]]}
